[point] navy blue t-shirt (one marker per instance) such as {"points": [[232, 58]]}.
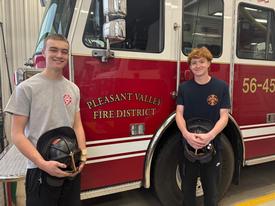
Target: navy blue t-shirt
{"points": [[204, 101]]}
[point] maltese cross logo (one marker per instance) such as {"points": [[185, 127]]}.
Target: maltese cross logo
{"points": [[67, 99]]}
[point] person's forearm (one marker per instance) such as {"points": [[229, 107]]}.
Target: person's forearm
{"points": [[80, 138], [181, 124], [220, 125], [79, 131], [23, 144], [80, 135]]}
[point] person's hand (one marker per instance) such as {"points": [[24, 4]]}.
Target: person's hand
{"points": [[81, 166], [204, 138], [54, 168], [194, 141], [79, 169]]}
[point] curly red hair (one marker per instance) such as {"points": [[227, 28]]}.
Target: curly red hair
{"points": [[198, 53]]}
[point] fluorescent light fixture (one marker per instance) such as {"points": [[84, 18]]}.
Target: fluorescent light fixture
{"points": [[250, 9], [261, 20], [217, 14]]}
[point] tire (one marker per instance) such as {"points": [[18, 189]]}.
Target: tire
{"points": [[166, 179], [165, 175], [228, 161]]}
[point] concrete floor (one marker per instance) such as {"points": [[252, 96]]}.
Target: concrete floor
{"points": [[257, 188]]}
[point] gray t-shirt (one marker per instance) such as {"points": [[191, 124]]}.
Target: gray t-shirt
{"points": [[47, 103]]}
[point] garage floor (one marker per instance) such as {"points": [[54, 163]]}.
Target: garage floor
{"points": [[257, 188]]}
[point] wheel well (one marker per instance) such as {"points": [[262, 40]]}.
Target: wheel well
{"points": [[231, 131], [233, 134], [163, 139]]}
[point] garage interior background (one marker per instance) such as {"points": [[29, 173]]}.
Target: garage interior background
{"points": [[21, 22]]}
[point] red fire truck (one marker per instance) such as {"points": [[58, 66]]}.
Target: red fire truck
{"points": [[128, 59]]}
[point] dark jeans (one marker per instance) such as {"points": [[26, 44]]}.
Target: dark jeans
{"points": [[209, 174], [38, 192]]}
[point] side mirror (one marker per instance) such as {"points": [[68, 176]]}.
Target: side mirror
{"points": [[114, 28], [115, 9], [115, 31]]}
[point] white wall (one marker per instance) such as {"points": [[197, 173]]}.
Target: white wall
{"points": [[21, 23], [21, 20]]}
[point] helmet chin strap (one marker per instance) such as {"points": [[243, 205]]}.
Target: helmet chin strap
{"points": [[73, 162]]}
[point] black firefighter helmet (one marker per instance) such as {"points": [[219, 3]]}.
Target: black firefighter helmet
{"points": [[205, 154], [59, 144]]}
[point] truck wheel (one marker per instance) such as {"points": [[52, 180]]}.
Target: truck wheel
{"points": [[227, 165], [166, 179]]}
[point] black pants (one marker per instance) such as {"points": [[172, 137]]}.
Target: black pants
{"points": [[209, 174], [38, 192]]}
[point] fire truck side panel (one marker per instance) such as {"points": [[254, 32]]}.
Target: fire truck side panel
{"points": [[253, 93], [113, 172], [122, 92], [253, 81], [252, 102], [131, 92], [113, 97]]}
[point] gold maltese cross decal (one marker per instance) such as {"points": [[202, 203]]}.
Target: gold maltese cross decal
{"points": [[212, 100]]}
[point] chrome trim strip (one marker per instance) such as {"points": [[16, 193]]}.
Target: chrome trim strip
{"points": [[70, 39], [71, 68], [259, 160], [232, 56], [104, 151], [239, 131], [261, 131], [177, 29], [110, 190], [152, 147], [257, 125], [115, 158], [114, 140], [259, 138]]}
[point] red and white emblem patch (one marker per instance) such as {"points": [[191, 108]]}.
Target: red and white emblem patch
{"points": [[67, 99]]}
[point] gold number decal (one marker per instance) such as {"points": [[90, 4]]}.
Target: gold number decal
{"points": [[272, 86], [245, 85], [265, 86], [253, 85]]}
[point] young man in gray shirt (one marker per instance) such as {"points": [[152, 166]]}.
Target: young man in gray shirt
{"points": [[41, 103]]}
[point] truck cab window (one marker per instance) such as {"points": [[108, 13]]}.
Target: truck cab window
{"points": [[256, 37], [57, 20], [203, 25], [144, 26]]}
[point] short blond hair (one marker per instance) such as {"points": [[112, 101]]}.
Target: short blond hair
{"points": [[198, 53]]}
